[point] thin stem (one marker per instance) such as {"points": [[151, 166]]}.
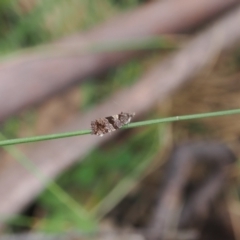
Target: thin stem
{"points": [[43, 137], [131, 125], [181, 118]]}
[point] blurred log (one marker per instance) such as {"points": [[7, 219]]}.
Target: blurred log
{"points": [[203, 169], [30, 78], [18, 187], [74, 236]]}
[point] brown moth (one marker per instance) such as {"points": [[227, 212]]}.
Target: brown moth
{"points": [[105, 125]]}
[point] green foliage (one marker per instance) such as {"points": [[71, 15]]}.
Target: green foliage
{"points": [[94, 90], [50, 19], [91, 180], [11, 127], [127, 3], [198, 128], [8, 16], [25, 31]]}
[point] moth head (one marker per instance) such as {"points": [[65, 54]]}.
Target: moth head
{"points": [[126, 117]]}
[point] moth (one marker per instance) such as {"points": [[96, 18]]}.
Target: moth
{"points": [[105, 125]]}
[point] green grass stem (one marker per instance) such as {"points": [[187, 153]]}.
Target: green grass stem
{"points": [[181, 118], [131, 125]]}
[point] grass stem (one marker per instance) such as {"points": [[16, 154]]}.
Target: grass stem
{"points": [[131, 125]]}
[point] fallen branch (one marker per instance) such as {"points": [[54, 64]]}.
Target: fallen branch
{"points": [[29, 78]]}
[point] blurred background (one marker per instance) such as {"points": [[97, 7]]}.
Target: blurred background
{"points": [[65, 63]]}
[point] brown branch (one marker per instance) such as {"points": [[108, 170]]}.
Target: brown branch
{"points": [[214, 160], [110, 235], [30, 78]]}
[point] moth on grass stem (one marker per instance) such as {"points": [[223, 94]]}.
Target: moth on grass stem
{"points": [[105, 125]]}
